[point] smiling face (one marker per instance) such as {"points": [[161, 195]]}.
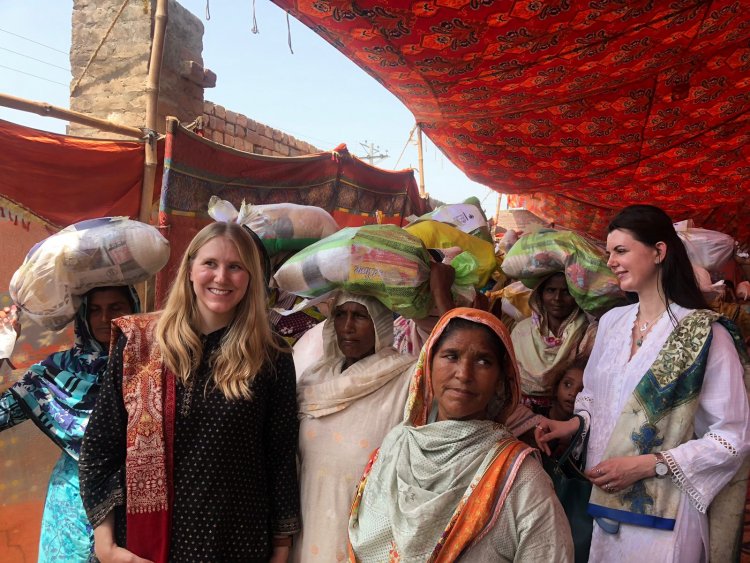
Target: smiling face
{"points": [[355, 332], [103, 306], [219, 282], [635, 264], [466, 372], [556, 299]]}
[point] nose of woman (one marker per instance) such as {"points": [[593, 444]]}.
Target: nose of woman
{"points": [[463, 370]]}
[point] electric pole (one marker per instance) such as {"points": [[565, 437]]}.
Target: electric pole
{"points": [[372, 152]]}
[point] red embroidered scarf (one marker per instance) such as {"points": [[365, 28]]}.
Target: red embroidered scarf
{"points": [[149, 394]]}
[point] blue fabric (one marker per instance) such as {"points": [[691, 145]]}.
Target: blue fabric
{"points": [[597, 511], [66, 533]]}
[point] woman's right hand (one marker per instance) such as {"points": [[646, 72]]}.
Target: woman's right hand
{"points": [[548, 430], [105, 548], [9, 318], [117, 554]]}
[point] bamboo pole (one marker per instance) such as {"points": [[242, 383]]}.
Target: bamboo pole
{"points": [[47, 110], [422, 193], [152, 115]]}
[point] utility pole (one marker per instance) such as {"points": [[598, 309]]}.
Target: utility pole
{"points": [[422, 191], [372, 152]]}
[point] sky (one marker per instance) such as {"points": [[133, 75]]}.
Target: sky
{"points": [[315, 94]]}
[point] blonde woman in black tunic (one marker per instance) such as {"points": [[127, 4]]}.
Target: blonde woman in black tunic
{"points": [[190, 451]]}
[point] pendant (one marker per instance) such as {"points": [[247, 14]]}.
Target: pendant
{"points": [[643, 327], [639, 341]]}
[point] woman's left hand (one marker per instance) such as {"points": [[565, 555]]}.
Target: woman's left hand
{"points": [[280, 554], [614, 475]]}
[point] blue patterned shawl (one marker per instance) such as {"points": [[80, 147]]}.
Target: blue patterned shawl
{"points": [[59, 393]]}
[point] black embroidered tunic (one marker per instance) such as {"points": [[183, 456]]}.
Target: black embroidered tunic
{"points": [[235, 475]]}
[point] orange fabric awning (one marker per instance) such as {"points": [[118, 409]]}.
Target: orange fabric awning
{"points": [[586, 106], [64, 179]]}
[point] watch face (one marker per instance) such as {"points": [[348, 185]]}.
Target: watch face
{"points": [[661, 469]]}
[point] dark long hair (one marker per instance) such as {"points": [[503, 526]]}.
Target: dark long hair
{"points": [[649, 225]]}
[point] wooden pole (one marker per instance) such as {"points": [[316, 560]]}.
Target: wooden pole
{"points": [[497, 211], [152, 114], [422, 193], [47, 110]]}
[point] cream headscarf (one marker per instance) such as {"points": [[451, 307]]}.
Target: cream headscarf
{"points": [[325, 389], [540, 354]]}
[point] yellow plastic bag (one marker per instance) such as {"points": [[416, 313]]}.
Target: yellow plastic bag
{"points": [[441, 235]]}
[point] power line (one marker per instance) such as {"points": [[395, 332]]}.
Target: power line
{"points": [[32, 41], [34, 75], [34, 59]]}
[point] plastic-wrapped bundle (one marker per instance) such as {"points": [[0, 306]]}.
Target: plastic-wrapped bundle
{"points": [[590, 281], [89, 254], [379, 260], [440, 235], [466, 217], [708, 249], [281, 226]]}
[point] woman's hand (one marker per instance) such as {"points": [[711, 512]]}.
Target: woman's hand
{"points": [[105, 548], [442, 277], [548, 430], [614, 475], [9, 318], [280, 554], [117, 554]]}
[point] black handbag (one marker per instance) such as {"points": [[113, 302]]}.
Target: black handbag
{"points": [[573, 490]]}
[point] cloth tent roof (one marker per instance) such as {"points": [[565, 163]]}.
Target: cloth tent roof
{"points": [[587, 106]]}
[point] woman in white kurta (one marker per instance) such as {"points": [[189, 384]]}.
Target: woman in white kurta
{"points": [[657, 463], [347, 405]]}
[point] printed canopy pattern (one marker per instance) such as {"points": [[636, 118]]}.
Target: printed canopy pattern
{"points": [[586, 105]]}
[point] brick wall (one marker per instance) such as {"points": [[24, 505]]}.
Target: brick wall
{"points": [[242, 133], [114, 86]]}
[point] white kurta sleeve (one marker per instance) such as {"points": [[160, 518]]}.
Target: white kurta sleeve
{"points": [[585, 399], [702, 466]]}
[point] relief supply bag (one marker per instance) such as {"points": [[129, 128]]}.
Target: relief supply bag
{"points": [[281, 226], [590, 281], [383, 261], [94, 253]]}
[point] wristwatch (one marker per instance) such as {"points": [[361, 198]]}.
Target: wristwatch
{"points": [[662, 469]]}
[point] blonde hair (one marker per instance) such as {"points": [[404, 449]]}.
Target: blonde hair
{"points": [[248, 342]]}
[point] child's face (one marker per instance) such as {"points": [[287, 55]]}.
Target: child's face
{"points": [[567, 390]]}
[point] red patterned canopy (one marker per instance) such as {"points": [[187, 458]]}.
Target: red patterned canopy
{"points": [[582, 106]]}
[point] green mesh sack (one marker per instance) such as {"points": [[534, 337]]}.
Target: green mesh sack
{"points": [[383, 261], [590, 281]]}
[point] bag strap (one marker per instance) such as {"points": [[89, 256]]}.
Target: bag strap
{"points": [[574, 442]]}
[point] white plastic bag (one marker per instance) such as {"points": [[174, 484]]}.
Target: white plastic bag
{"points": [[281, 226], [89, 254], [708, 249]]}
